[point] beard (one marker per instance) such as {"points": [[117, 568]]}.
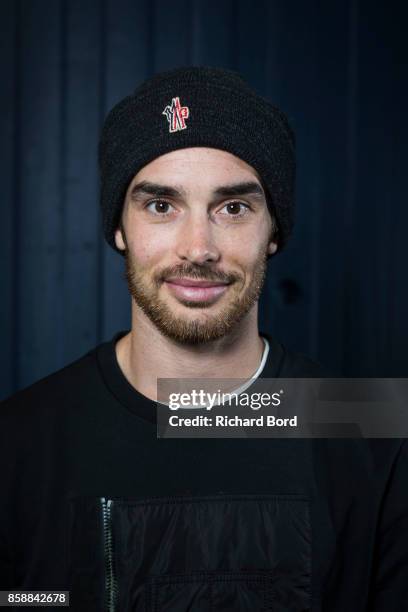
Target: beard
{"points": [[207, 326]]}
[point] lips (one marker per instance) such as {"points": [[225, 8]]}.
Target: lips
{"points": [[195, 290]]}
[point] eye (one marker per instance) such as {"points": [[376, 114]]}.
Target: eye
{"points": [[235, 209], [159, 207]]}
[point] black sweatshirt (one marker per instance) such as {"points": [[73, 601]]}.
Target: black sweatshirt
{"points": [[93, 502]]}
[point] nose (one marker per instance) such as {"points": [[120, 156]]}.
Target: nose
{"points": [[196, 242]]}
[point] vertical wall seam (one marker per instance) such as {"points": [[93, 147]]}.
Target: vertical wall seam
{"points": [[16, 259], [392, 330], [350, 191], [315, 265], [100, 306], [233, 47], [392, 362], [195, 36], [62, 243], [151, 25]]}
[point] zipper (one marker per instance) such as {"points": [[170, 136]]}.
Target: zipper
{"points": [[110, 578]]}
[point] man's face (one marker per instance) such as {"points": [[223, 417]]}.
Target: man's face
{"points": [[196, 232]]}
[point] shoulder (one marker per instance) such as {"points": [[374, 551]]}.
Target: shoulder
{"points": [[299, 365], [54, 390], [372, 455]]}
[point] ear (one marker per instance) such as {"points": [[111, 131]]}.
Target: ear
{"points": [[119, 241], [272, 247]]}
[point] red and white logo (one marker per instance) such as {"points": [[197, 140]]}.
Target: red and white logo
{"points": [[176, 115]]}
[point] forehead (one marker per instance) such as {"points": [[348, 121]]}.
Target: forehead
{"points": [[197, 166]]}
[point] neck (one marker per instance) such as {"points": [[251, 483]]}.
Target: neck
{"points": [[144, 354]]}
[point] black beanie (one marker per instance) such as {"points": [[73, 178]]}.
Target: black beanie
{"points": [[197, 107]]}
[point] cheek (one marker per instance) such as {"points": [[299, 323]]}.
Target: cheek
{"points": [[245, 249], [148, 246]]}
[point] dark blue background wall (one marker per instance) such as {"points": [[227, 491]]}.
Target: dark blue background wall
{"points": [[338, 68]]}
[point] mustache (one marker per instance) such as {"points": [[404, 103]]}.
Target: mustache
{"points": [[200, 272]]}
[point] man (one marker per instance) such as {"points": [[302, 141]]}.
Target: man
{"points": [[197, 194]]}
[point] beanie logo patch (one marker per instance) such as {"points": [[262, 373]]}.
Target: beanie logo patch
{"points": [[176, 115]]}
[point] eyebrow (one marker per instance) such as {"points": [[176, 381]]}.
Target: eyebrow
{"points": [[232, 190]]}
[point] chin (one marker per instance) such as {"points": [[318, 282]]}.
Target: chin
{"points": [[195, 307]]}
